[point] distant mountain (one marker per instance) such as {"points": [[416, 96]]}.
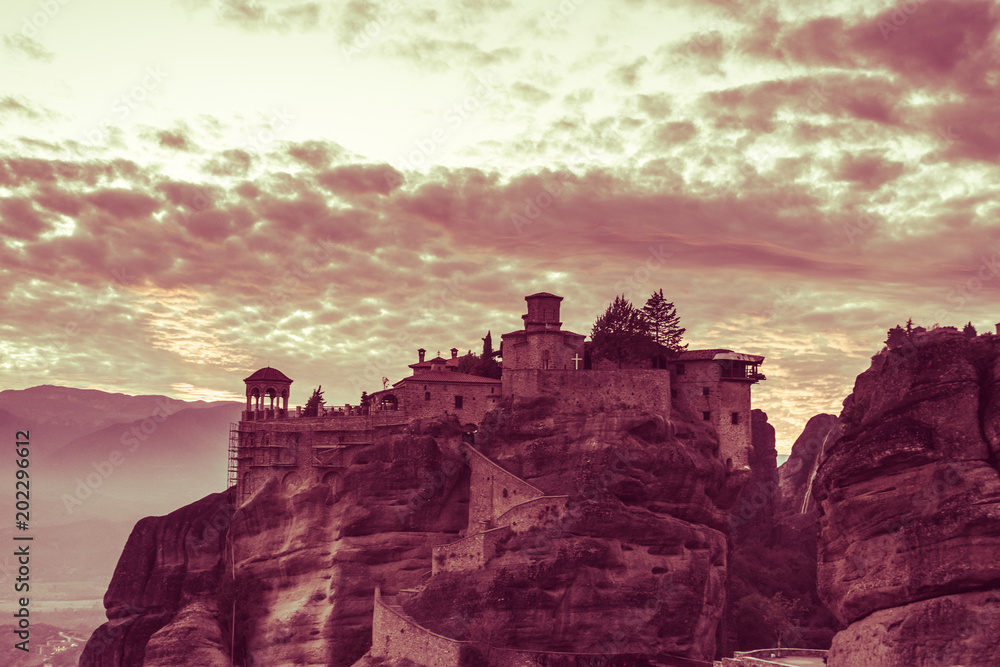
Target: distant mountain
{"points": [[60, 414], [85, 498]]}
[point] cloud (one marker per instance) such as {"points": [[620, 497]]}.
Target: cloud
{"points": [[22, 45], [278, 16]]}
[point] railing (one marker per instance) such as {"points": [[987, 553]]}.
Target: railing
{"points": [[332, 412]]}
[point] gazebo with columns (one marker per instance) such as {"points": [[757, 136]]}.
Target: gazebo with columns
{"points": [[267, 383]]}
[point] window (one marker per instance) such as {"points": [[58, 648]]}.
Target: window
{"points": [[427, 395], [706, 415], [673, 393], [680, 369], [735, 417], [705, 391], [491, 389], [458, 402]]}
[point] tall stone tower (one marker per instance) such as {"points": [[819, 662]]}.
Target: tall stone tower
{"points": [[541, 346]]}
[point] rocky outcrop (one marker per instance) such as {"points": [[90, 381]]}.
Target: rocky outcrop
{"points": [[909, 502], [752, 518], [796, 474], [637, 565], [634, 563], [171, 565]]}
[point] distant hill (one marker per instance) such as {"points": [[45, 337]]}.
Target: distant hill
{"points": [[61, 414], [83, 504]]}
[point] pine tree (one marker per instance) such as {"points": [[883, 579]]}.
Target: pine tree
{"points": [[314, 403], [969, 330], [621, 334], [663, 322], [488, 352]]}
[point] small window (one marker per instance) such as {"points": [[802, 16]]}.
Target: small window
{"points": [[680, 369], [705, 391], [673, 393], [706, 415], [491, 389], [427, 395], [425, 387], [458, 402], [735, 417]]}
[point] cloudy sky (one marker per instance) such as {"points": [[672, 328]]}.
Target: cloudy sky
{"points": [[192, 189]]}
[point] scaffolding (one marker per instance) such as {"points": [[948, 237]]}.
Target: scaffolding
{"points": [[234, 445]]}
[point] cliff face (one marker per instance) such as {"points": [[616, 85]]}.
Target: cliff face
{"points": [[167, 576], [300, 567], [636, 563], [909, 502], [795, 474]]}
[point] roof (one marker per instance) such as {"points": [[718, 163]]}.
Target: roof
{"points": [[544, 294], [718, 354], [448, 377], [268, 374]]}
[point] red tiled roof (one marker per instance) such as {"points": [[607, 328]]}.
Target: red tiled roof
{"points": [[532, 296], [268, 374], [448, 377]]}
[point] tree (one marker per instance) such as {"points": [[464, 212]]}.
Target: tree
{"points": [[621, 334], [663, 322], [969, 330], [488, 352], [314, 403], [909, 326], [895, 337]]}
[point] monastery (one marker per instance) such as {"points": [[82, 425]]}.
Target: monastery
{"points": [[541, 359]]}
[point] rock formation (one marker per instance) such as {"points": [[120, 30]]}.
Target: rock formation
{"points": [[637, 564], [909, 502], [796, 474]]}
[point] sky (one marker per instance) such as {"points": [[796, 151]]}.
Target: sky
{"points": [[191, 190]]}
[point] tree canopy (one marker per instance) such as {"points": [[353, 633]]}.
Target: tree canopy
{"points": [[314, 403], [628, 335], [663, 323]]}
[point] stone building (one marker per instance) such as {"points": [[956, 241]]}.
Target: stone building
{"points": [[539, 360], [716, 384]]}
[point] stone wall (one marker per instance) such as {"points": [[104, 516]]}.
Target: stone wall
{"points": [[493, 491], [477, 399], [535, 513], [468, 553], [593, 390], [724, 397], [301, 450], [395, 638]]}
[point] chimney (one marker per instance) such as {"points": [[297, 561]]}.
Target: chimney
{"points": [[454, 352], [420, 354]]}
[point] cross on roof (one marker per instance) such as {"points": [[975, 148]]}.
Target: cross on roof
{"points": [[576, 361]]}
